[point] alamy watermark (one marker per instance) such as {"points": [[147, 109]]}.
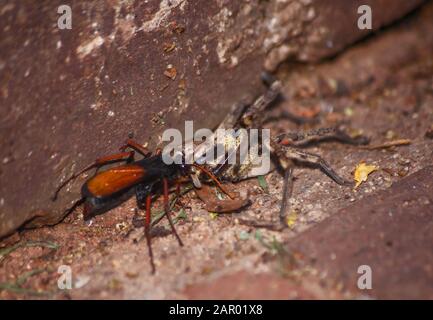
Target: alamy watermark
{"points": [[365, 281], [64, 282], [365, 21], [65, 19]]}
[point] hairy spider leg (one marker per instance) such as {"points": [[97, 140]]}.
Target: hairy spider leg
{"points": [[299, 139], [316, 160]]}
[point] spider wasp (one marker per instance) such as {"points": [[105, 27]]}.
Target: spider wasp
{"points": [[145, 178]]}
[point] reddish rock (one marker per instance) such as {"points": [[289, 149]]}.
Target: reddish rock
{"points": [[69, 96], [390, 231], [245, 286]]}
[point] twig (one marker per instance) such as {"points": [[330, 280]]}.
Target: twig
{"points": [[389, 144]]}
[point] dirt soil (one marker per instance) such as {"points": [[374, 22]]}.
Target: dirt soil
{"points": [[376, 93]]}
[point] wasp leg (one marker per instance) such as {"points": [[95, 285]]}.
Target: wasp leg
{"points": [[130, 143], [123, 156], [144, 199], [147, 232], [167, 211]]}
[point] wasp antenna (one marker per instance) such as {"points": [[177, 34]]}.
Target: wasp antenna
{"points": [[61, 186], [215, 179]]}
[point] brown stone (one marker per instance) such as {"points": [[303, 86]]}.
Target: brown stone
{"points": [[69, 96], [390, 231]]}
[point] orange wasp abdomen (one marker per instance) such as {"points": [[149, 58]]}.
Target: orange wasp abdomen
{"points": [[114, 180]]}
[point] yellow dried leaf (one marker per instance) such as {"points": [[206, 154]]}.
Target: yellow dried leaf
{"points": [[213, 215], [362, 171], [291, 219]]}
